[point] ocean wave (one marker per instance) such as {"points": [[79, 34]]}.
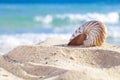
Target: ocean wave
{"points": [[8, 42], [113, 32], [68, 19]]}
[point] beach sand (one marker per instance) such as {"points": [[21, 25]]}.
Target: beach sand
{"points": [[54, 60]]}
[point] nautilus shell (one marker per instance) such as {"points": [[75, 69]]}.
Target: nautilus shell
{"points": [[92, 33]]}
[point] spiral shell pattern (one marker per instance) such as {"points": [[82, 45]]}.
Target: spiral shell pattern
{"points": [[92, 33]]}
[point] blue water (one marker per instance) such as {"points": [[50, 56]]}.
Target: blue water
{"points": [[37, 18], [48, 20]]}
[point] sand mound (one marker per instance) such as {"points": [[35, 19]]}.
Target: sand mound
{"points": [[54, 60], [96, 57]]}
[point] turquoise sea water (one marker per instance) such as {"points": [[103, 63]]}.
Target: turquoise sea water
{"points": [[32, 23]]}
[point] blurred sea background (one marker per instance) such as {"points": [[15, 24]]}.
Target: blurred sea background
{"points": [[24, 23]]}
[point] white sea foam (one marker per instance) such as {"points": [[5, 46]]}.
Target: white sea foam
{"points": [[45, 20], [114, 32], [8, 42], [111, 18]]}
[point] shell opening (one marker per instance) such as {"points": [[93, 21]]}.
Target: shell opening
{"points": [[78, 40]]}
